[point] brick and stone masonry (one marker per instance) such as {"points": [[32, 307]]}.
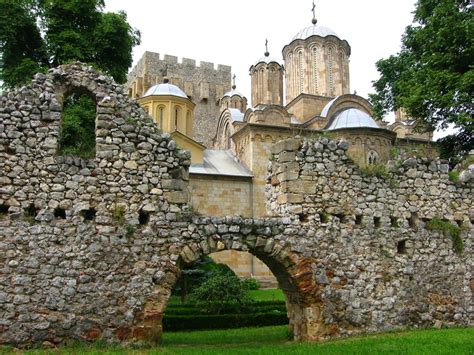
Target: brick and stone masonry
{"points": [[90, 249]]}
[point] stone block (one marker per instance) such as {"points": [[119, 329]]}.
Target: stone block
{"points": [[177, 196]]}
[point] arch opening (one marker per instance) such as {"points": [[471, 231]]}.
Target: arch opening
{"points": [[77, 135]]}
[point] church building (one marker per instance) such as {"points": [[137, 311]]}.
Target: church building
{"points": [[307, 94]]}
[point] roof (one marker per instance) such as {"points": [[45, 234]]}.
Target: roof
{"points": [[267, 60], [233, 92], [352, 118], [326, 108], [220, 162], [236, 115], [165, 89], [314, 30]]}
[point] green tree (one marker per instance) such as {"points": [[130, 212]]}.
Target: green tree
{"points": [[432, 77], [68, 30], [78, 137]]}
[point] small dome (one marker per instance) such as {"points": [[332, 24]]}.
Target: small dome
{"points": [[231, 93], [352, 118], [266, 60], [165, 89], [314, 31]]}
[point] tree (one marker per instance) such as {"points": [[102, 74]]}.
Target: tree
{"points": [[68, 30], [432, 77]]}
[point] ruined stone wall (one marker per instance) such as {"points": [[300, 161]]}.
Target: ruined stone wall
{"points": [[204, 84], [90, 249], [375, 257]]}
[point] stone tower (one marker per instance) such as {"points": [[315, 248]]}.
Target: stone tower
{"points": [[203, 84], [267, 81], [317, 63]]}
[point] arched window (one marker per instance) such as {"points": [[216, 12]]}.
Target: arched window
{"points": [[301, 71], [330, 71], [314, 54], [160, 116], [372, 157], [78, 126], [227, 136], [176, 117]]}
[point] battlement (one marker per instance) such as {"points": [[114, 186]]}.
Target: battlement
{"points": [[190, 63]]}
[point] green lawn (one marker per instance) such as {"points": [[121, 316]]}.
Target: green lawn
{"points": [[274, 294], [274, 340]]}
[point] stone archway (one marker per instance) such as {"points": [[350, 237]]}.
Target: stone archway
{"points": [[261, 238]]}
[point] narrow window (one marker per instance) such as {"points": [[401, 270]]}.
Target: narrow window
{"points": [[3, 209], [315, 70], [330, 71], [160, 116], [358, 219], [60, 213], [31, 211], [377, 222], [143, 217], [301, 71], [394, 222], [89, 214], [412, 221], [78, 126], [401, 247], [176, 112]]}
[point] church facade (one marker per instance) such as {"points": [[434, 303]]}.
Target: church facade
{"points": [[308, 94]]}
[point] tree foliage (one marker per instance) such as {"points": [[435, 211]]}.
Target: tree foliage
{"points": [[39, 34], [432, 77], [78, 128]]}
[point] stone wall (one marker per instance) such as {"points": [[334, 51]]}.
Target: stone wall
{"points": [[90, 249], [204, 84]]}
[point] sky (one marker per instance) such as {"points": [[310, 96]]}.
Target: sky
{"points": [[234, 32]]}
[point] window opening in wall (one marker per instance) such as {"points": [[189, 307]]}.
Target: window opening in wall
{"points": [[401, 247], [31, 211], [176, 113], [372, 157], [459, 222], [160, 117], [340, 216], [78, 126], [377, 222], [394, 222], [412, 220], [89, 214], [143, 217], [60, 213], [330, 71], [303, 217], [315, 70], [358, 219], [3, 209]]}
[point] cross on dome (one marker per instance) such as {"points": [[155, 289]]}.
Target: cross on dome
{"points": [[314, 21]]}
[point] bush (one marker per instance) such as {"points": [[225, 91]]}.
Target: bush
{"points": [[251, 284], [221, 290]]}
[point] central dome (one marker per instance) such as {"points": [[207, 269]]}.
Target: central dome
{"points": [[314, 31], [352, 118], [165, 89]]}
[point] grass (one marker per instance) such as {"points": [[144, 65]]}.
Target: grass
{"points": [[274, 340], [274, 294]]}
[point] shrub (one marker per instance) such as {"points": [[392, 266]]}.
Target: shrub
{"points": [[219, 291], [251, 284], [438, 224]]}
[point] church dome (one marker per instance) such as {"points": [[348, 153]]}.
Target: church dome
{"points": [[314, 30], [266, 60], [165, 89], [233, 92], [352, 118]]}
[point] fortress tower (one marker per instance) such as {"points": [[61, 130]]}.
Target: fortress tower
{"points": [[203, 84]]}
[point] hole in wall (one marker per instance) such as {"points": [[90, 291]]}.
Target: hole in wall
{"points": [[412, 221], [143, 217], [459, 223], [341, 217], [377, 222], [394, 222], [31, 211], [60, 213], [401, 247], [3, 209], [89, 214], [358, 219]]}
